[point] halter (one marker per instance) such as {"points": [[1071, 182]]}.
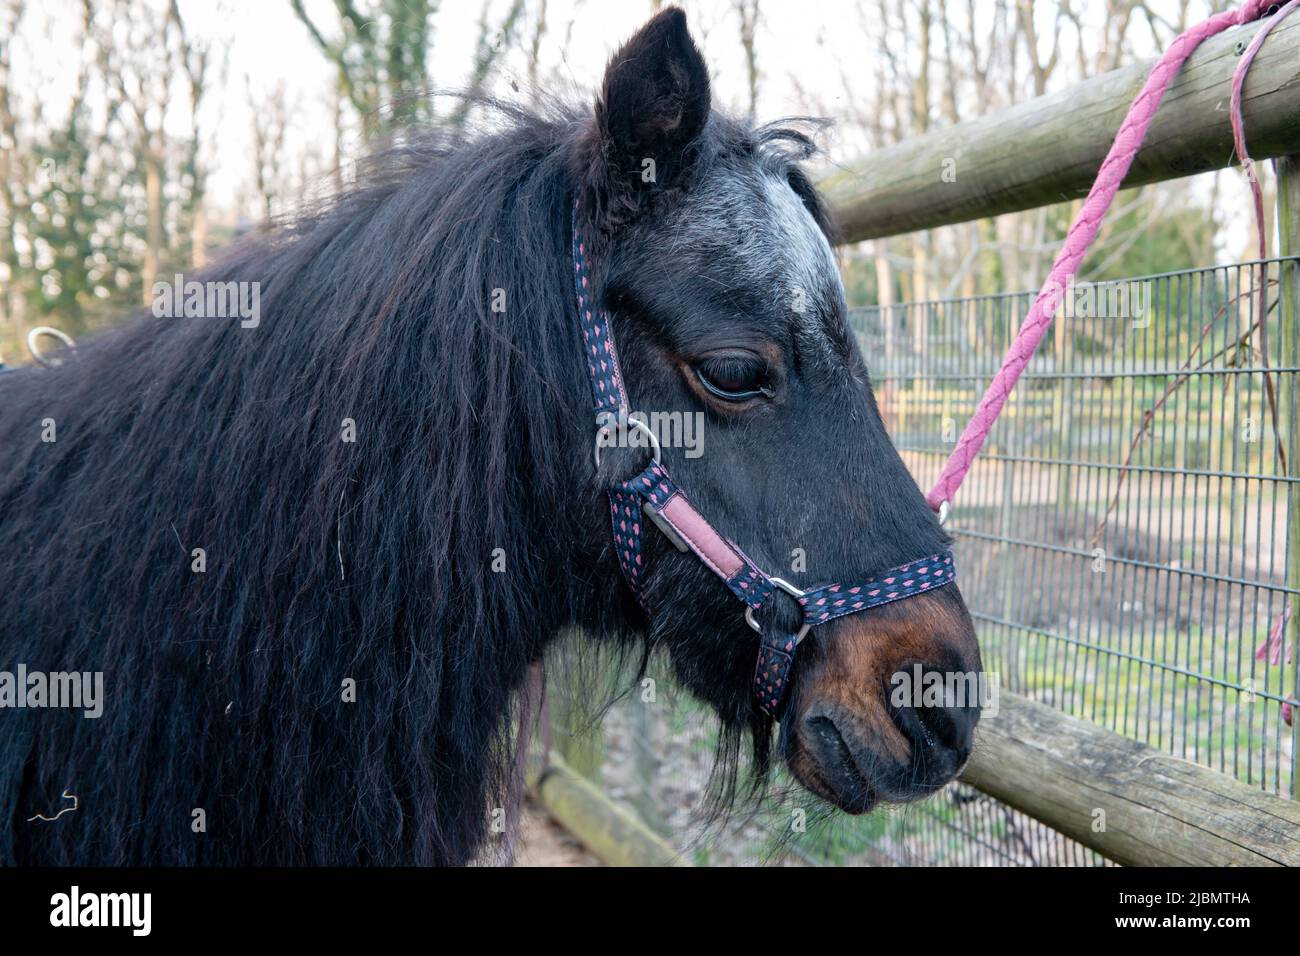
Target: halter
{"points": [[41, 359], [654, 495]]}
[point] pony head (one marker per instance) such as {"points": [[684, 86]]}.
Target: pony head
{"points": [[712, 255]]}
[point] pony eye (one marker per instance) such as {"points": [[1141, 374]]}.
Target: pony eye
{"points": [[734, 378]]}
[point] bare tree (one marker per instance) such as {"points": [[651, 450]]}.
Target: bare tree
{"points": [[747, 11], [535, 53], [139, 86], [11, 173], [195, 59], [380, 57], [270, 128], [491, 44]]}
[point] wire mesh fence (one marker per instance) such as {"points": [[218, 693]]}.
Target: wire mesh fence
{"points": [[1124, 534], [1123, 542]]}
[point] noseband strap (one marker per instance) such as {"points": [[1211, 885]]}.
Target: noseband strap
{"points": [[653, 496]]}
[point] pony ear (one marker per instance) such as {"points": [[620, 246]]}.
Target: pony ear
{"points": [[652, 109]]}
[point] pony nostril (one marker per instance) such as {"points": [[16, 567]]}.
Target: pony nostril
{"points": [[830, 747], [946, 724], [830, 744]]}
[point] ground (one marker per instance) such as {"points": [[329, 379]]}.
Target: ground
{"points": [[545, 843]]}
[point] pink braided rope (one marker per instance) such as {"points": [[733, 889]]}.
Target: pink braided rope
{"points": [[1082, 231]]}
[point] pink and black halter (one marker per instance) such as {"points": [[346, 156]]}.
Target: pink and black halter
{"points": [[653, 495]]}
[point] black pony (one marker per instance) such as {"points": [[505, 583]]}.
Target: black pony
{"points": [[314, 556]]}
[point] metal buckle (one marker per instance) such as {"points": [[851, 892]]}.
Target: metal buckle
{"points": [[640, 426], [35, 335], [795, 593], [665, 527]]}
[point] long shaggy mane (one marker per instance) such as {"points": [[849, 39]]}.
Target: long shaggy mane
{"points": [[327, 561]]}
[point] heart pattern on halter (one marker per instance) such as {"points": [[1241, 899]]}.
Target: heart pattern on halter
{"points": [[772, 673], [835, 600], [597, 338]]}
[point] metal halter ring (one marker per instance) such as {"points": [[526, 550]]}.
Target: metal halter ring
{"points": [[795, 593], [943, 512], [640, 426], [40, 358]]}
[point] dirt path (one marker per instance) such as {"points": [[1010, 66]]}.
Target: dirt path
{"points": [[545, 843]]}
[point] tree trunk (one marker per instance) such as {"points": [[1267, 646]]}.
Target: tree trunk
{"points": [[153, 240]]}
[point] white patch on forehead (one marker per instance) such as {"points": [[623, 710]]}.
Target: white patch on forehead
{"points": [[746, 228], [806, 257]]}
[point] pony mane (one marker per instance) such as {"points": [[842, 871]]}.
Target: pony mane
{"points": [[326, 560]]}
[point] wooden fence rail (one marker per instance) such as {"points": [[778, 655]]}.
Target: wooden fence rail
{"points": [[1048, 150], [1129, 802]]}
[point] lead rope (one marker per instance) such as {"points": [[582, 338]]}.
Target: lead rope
{"points": [[1271, 647], [1257, 194], [1084, 229]]}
